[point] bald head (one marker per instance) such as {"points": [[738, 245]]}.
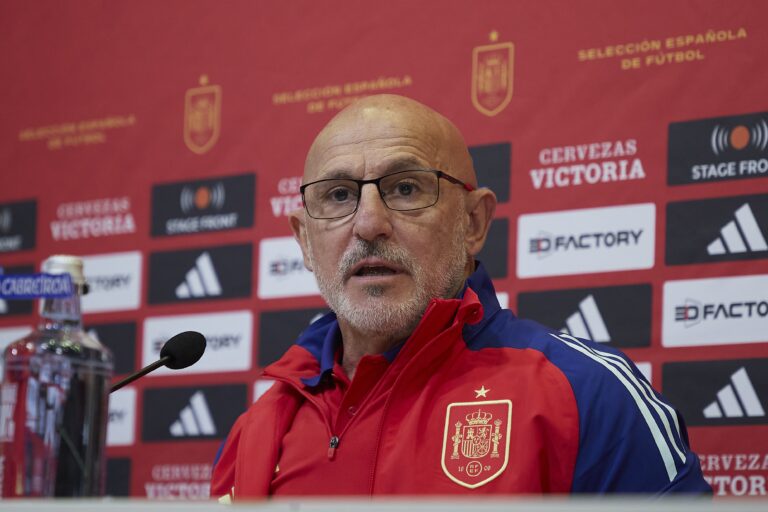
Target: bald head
{"points": [[397, 120], [380, 264]]}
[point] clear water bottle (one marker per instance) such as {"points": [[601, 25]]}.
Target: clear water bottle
{"points": [[53, 401]]}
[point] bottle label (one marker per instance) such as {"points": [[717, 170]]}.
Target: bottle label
{"points": [[7, 406], [36, 286]]}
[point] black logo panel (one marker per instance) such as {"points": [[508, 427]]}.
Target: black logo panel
{"points": [[618, 316], [495, 253], [120, 339], [718, 149], [278, 330], [200, 274], [119, 476], [721, 229], [714, 393], [16, 307], [18, 226], [492, 164], [192, 413], [215, 204]]}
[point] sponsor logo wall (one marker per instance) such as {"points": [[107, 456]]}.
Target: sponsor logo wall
{"points": [[625, 214], [18, 226], [727, 392], [281, 270], [192, 413], [200, 274], [619, 316], [719, 311], [114, 282], [722, 229], [586, 241], [278, 330], [718, 149], [121, 429], [228, 340], [203, 205], [13, 308], [120, 339]]}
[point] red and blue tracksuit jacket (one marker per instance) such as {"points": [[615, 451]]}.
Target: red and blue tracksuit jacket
{"points": [[475, 401]]}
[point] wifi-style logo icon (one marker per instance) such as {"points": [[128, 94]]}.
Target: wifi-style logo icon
{"points": [[202, 197], [739, 137]]}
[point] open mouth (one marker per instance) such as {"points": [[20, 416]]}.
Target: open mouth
{"points": [[374, 270], [374, 267]]}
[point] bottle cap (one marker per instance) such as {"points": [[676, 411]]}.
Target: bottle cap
{"points": [[65, 264]]}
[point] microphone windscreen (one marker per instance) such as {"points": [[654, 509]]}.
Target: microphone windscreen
{"points": [[185, 349]]}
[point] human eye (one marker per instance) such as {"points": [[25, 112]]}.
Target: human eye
{"points": [[404, 186], [340, 193]]}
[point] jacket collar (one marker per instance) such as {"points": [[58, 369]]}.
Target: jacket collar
{"points": [[476, 304]]}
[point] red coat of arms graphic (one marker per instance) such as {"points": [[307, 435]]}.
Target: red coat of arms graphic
{"points": [[476, 441], [202, 116], [492, 77]]}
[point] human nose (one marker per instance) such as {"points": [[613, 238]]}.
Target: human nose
{"points": [[372, 219]]}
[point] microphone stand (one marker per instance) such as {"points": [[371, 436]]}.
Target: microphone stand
{"points": [[150, 368]]}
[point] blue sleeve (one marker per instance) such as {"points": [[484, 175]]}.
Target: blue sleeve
{"points": [[630, 439]]}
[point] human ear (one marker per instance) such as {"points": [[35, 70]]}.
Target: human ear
{"points": [[481, 204], [298, 224]]}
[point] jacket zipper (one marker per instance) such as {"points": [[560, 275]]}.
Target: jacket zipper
{"points": [[332, 445], [385, 411], [334, 439]]}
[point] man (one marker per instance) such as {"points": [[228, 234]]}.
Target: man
{"points": [[418, 383]]}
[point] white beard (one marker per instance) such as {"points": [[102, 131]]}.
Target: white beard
{"points": [[377, 316]]}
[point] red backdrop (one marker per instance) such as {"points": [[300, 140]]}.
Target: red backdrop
{"points": [[163, 141]]}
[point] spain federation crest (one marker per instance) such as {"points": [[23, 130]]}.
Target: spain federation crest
{"points": [[492, 76], [202, 116], [476, 441]]}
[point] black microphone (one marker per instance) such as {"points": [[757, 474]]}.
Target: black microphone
{"points": [[183, 350]]}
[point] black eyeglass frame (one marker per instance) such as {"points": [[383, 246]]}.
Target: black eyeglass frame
{"points": [[377, 181]]}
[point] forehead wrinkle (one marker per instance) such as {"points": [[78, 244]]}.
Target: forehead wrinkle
{"points": [[400, 154], [389, 117]]}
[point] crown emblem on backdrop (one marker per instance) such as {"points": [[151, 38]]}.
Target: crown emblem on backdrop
{"points": [[202, 116], [492, 75]]}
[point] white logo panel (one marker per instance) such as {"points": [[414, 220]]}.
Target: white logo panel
{"points": [[281, 270], [645, 369], [260, 387], [121, 430], [715, 311], [114, 281], [228, 340], [587, 240]]}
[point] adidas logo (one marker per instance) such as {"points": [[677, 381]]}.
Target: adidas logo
{"points": [[740, 235], [194, 419], [736, 400], [200, 281], [587, 322]]}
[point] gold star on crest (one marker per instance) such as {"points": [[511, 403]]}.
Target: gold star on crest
{"points": [[481, 392], [493, 36]]}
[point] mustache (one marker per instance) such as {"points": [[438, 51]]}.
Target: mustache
{"points": [[373, 249]]}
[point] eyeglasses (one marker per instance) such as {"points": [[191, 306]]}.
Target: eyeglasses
{"points": [[402, 191]]}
